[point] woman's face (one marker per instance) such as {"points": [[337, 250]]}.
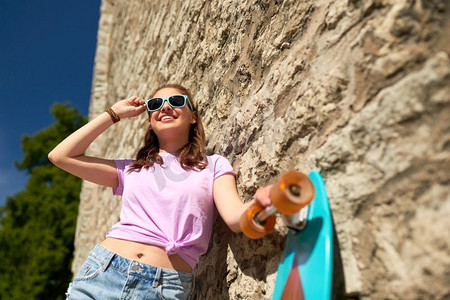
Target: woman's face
{"points": [[169, 121]]}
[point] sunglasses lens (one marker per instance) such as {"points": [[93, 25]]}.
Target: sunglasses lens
{"points": [[154, 104], [177, 101]]}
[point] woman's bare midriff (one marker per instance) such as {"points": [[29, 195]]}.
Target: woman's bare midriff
{"points": [[147, 254]]}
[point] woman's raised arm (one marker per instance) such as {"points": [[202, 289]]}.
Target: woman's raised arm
{"points": [[69, 154]]}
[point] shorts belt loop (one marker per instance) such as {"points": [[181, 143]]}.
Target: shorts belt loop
{"points": [[157, 277], [107, 262]]}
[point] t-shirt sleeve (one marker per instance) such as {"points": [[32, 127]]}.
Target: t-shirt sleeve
{"points": [[222, 166], [121, 165]]}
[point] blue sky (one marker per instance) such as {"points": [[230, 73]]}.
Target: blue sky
{"points": [[47, 51]]}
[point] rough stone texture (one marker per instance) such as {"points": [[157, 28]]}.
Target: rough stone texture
{"points": [[359, 90]]}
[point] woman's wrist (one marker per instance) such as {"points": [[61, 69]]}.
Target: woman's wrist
{"points": [[114, 116]]}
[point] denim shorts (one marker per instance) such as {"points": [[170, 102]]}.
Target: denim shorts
{"points": [[106, 275]]}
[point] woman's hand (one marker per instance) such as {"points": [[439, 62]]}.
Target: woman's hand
{"points": [[262, 195], [130, 107]]}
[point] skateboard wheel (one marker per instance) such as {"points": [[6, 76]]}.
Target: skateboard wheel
{"points": [[251, 227], [292, 192]]}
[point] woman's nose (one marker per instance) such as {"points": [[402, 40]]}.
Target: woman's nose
{"points": [[166, 106]]}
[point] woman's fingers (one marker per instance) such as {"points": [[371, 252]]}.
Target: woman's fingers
{"points": [[262, 195], [129, 107]]}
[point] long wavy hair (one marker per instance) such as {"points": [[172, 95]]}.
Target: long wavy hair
{"points": [[192, 155]]}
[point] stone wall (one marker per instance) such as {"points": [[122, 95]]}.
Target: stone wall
{"points": [[359, 90]]}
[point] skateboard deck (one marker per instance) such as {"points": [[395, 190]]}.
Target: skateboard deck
{"points": [[306, 268]]}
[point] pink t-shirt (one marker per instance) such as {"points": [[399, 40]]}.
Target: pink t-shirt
{"points": [[169, 207]]}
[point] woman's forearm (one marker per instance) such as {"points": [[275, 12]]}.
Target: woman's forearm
{"points": [[69, 154], [76, 144]]}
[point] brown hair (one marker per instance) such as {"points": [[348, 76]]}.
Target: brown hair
{"points": [[192, 155]]}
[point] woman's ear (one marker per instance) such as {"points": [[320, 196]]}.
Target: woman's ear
{"points": [[194, 117]]}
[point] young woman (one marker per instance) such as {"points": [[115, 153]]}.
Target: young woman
{"points": [[170, 193]]}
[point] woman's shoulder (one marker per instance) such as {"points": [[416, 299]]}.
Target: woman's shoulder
{"points": [[219, 165], [125, 160], [216, 157], [122, 163]]}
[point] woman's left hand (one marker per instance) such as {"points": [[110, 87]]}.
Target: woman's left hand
{"points": [[262, 195]]}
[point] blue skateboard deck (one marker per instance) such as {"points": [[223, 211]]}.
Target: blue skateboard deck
{"points": [[306, 267]]}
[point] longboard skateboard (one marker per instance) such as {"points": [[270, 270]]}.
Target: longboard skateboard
{"points": [[306, 267]]}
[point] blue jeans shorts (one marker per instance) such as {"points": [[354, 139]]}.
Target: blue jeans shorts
{"points": [[106, 275]]}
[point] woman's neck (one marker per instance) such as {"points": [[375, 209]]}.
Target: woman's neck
{"points": [[172, 146]]}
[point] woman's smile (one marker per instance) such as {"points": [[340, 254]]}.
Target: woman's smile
{"points": [[165, 118]]}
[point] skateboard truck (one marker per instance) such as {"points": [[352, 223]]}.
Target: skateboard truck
{"points": [[298, 221], [293, 191]]}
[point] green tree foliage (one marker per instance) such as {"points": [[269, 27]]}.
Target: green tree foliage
{"points": [[37, 225]]}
